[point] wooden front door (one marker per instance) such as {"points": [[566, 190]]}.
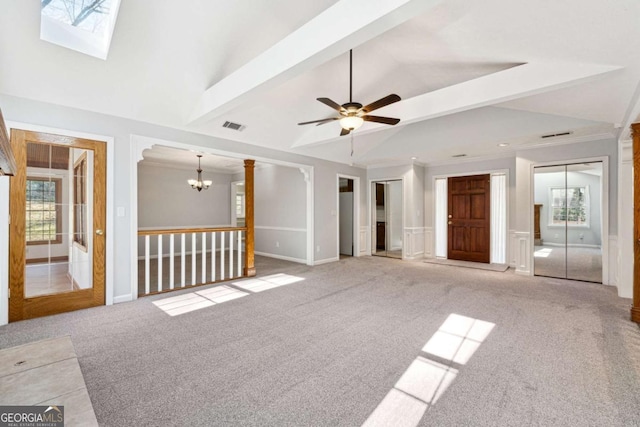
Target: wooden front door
{"points": [[57, 232], [469, 218]]}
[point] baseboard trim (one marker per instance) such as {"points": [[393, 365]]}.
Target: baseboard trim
{"points": [[635, 314], [122, 298], [325, 261], [282, 257]]}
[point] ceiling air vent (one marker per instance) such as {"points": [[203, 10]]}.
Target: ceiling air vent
{"points": [[553, 135], [459, 155], [234, 126]]}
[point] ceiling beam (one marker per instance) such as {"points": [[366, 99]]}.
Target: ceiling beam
{"points": [[517, 82], [343, 26]]}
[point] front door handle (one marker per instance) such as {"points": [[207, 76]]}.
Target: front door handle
{"points": [[99, 232], [450, 222]]}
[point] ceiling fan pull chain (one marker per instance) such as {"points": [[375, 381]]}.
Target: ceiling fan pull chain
{"points": [[352, 145]]}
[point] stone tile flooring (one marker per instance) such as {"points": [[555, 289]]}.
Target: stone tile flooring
{"points": [[46, 373]]}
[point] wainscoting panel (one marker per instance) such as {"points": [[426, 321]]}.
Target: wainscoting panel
{"points": [[428, 242], [413, 242], [363, 240], [512, 248], [523, 252], [613, 259]]}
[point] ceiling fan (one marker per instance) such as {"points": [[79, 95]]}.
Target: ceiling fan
{"points": [[353, 114]]}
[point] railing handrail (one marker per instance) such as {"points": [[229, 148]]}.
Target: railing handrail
{"points": [[188, 230]]}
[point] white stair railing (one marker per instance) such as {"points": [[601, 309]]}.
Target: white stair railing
{"points": [[221, 248]]}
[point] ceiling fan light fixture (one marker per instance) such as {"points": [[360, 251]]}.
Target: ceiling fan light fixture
{"points": [[351, 122]]}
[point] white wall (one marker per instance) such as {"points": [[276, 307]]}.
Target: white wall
{"points": [[280, 212], [166, 200], [591, 235]]}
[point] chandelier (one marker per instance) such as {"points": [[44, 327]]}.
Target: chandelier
{"points": [[199, 184]]}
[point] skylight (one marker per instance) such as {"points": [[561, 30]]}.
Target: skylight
{"points": [[82, 25]]}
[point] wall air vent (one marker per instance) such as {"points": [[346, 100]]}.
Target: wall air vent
{"points": [[553, 135], [459, 155], [233, 126]]}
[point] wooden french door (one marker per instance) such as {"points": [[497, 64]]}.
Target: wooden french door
{"points": [[469, 221], [57, 232]]}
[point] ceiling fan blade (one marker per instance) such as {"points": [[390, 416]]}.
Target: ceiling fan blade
{"points": [[378, 119], [344, 132], [382, 102], [328, 102], [320, 122]]}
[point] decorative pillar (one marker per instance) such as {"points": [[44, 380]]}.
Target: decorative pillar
{"points": [[635, 308], [249, 259]]}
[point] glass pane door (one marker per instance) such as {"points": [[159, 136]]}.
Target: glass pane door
{"points": [[584, 222], [550, 228], [568, 221], [58, 199]]}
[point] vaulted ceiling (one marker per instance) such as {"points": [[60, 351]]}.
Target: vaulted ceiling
{"points": [[471, 75]]}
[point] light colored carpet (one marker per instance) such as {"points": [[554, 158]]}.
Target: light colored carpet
{"points": [[467, 264], [326, 351]]}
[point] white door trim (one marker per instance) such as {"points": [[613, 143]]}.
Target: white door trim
{"points": [[356, 213]]}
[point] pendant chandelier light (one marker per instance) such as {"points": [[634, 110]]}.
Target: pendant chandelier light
{"points": [[199, 184]]}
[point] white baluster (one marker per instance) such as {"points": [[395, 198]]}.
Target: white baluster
{"points": [[213, 256], [230, 254], [171, 261], [239, 253], [183, 262], [204, 257], [194, 255], [147, 267], [159, 262], [222, 255]]}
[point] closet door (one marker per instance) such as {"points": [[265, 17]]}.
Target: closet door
{"points": [[584, 222], [550, 250]]}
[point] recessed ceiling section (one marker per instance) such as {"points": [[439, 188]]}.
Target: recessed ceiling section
{"points": [[85, 26], [186, 159]]}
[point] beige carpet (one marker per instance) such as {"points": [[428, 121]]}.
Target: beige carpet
{"points": [[350, 340]]}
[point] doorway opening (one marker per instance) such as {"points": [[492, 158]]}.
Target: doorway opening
{"points": [[568, 218], [345, 216], [387, 211]]}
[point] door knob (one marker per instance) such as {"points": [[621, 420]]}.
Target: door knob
{"points": [[99, 232], [450, 216], [450, 222]]}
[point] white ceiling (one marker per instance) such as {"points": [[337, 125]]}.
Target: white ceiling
{"points": [[471, 74], [188, 160]]}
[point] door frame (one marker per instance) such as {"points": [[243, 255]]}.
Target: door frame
{"points": [[372, 207], [356, 213], [110, 178], [604, 198], [491, 172]]}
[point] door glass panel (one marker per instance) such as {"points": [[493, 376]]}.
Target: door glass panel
{"points": [[388, 218], [49, 220], [550, 217], [393, 227], [380, 214], [584, 219]]}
